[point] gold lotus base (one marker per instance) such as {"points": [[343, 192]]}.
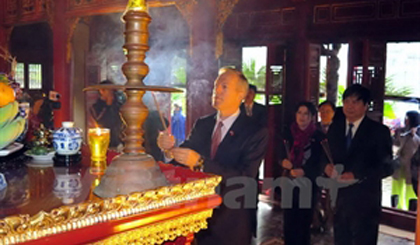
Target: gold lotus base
{"points": [[24, 228], [130, 173], [161, 232]]}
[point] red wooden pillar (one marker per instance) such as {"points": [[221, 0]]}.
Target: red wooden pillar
{"points": [[4, 67], [61, 74], [3, 36], [296, 87], [202, 67]]}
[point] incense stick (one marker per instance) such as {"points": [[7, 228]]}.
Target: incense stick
{"points": [[327, 150], [286, 146], [165, 128]]}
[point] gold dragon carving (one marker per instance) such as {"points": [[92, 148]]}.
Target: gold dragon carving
{"points": [[71, 24]]}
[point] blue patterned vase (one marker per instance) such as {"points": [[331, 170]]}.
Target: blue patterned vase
{"points": [[68, 139], [67, 185]]}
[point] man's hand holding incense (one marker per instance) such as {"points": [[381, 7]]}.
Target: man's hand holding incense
{"points": [[298, 172], [185, 156], [165, 141], [330, 171], [286, 164], [346, 177]]}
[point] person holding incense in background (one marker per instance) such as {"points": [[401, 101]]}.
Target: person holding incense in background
{"points": [[301, 159], [106, 113], [361, 151], [154, 123], [229, 144]]}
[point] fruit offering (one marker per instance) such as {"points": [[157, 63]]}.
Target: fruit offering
{"points": [[11, 123], [7, 94]]}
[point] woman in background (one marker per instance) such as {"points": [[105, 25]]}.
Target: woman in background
{"points": [[302, 159], [408, 140]]}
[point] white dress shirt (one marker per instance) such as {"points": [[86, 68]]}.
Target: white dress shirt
{"points": [[227, 123], [356, 125]]}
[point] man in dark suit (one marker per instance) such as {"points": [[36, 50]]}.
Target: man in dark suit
{"points": [[239, 153], [326, 114], [256, 111], [364, 148]]}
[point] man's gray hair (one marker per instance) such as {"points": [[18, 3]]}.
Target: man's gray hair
{"points": [[243, 82]]}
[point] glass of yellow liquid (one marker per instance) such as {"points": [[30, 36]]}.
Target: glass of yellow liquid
{"points": [[98, 140]]}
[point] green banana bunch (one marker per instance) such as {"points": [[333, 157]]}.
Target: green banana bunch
{"points": [[8, 113], [10, 132], [11, 124]]}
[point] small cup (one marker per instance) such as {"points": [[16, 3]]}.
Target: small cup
{"points": [[98, 140]]}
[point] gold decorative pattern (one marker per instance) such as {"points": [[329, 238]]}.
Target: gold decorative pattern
{"points": [[136, 5], [225, 8], [72, 23], [28, 6], [12, 7], [78, 3], [186, 8], [49, 9], [22, 228], [162, 231], [24, 11]]}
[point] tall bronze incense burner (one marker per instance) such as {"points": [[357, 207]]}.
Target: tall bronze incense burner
{"points": [[133, 170]]}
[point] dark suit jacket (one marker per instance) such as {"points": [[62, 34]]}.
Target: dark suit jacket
{"points": [[151, 127], [259, 113], [368, 158], [239, 154]]}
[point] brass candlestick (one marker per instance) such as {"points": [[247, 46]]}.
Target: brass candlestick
{"points": [[134, 170]]}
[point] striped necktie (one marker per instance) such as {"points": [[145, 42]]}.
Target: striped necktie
{"points": [[349, 136], [215, 140]]}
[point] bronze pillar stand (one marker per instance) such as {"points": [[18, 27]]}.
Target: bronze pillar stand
{"points": [[134, 170]]}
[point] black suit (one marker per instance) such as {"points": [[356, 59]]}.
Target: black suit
{"points": [[259, 113], [239, 154], [358, 206]]}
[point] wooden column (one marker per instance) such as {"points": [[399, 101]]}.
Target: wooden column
{"points": [[297, 87], [4, 67], [3, 36], [202, 67], [61, 75]]}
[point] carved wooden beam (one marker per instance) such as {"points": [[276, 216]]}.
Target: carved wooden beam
{"points": [[71, 25], [49, 8], [225, 8], [186, 8]]}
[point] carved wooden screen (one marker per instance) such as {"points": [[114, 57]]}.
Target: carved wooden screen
{"points": [[367, 65], [313, 74]]}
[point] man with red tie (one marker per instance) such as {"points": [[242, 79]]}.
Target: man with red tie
{"points": [[229, 144]]}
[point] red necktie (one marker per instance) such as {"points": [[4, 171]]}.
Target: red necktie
{"points": [[215, 140]]}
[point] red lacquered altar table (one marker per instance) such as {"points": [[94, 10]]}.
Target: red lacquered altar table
{"points": [[46, 204]]}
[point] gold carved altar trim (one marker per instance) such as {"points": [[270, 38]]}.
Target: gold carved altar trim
{"points": [[23, 228], [164, 231]]}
